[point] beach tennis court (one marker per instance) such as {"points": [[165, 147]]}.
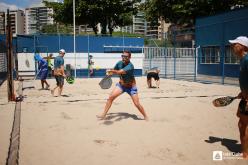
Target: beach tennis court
{"points": [[183, 128]]}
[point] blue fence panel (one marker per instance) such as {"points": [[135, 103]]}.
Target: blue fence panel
{"points": [[82, 73], [93, 44]]}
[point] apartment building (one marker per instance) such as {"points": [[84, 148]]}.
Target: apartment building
{"points": [[141, 26], [36, 18], [16, 22], [2, 22]]}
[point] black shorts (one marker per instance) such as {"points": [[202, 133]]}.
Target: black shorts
{"points": [[59, 80], [243, 109], [152, 75]]}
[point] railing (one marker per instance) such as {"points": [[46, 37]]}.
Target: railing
{"points": [[182, 63]]}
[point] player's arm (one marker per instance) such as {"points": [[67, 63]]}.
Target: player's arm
{"points": [[113, 71], [243, 95], [63, 70]]}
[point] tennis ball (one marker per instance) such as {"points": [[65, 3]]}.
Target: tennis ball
{"points": [[97, 67]]}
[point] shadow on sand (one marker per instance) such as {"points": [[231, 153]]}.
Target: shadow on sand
{"points": [[230, 144], [113, 117]]}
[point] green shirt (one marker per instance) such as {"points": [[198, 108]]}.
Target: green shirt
{"points": [[128, 68], [243, 75], [49, 62]]}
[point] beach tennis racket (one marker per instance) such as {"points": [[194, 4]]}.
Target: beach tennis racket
{"points": [[70, 80], [223, 101], [106, 82]]}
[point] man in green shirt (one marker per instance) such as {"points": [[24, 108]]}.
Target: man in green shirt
{"points": [[59, 72], [127, 83]]}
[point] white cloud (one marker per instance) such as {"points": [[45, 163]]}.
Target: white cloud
{"points": [[25, 4], [4, 7], [36, 3]]}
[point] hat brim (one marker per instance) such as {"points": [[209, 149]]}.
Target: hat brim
{"points": [[233, 41]]}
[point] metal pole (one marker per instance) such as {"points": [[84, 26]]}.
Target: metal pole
{"points": [[222, 58], [165, 61], [35, 63], [222, 54], [59, 41], [58, 34], [123, 42], [16, 59], [88, 56], [74, 41], [11, 95], [174, 52], [196, 62]]}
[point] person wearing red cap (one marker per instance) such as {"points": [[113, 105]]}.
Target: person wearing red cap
{"points": [[240, 48]]}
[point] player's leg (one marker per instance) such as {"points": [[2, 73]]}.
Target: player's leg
{"points": [[47, 85], [57, 85], [243, 128], [149, 83], [135, 99], [42, 84], [61, 84], [158, 83], [149, 80], [117, 91], [44, 79], [245, 148]]}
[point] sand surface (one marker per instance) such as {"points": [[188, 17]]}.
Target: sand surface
{"points": [[183, 128]]}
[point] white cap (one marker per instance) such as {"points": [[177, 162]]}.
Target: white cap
{"points": [[62, 50], [240, 40]]}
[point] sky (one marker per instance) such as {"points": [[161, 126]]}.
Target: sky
{"points": [[17, 4]]}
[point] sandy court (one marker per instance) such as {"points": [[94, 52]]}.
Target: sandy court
{"points": [[184, 127]]}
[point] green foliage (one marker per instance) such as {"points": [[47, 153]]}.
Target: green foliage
{"points": [[157, 43], [49, 29], [56, 29], [121, 34], [185, 12], [109, 13]]}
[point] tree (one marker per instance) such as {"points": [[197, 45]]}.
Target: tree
{"points": [[49, 29], [56, 28], [109, 13], [185, 12], [116, 13]]}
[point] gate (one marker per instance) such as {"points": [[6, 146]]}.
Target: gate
{"points": [[176, 63]]}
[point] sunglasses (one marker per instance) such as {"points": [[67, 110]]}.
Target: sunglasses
{"points": [[124, 56]]}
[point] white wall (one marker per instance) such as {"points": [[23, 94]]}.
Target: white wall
{"points": [[101, 60]]}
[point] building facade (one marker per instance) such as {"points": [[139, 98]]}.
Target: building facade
{"points": [[2, 22], [16, 22], [36, 18], [141, 26], [211, 37]]}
